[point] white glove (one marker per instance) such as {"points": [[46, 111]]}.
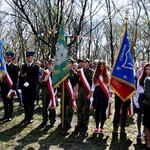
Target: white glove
{"points": [[137, 105], [91, 99], [91, 102], [110, 100], [26, 84], [20, 91]]}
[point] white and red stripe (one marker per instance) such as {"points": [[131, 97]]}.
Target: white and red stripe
{"points": [[8, 79], [84, 80], [104, 87], [105, 90], [10, 83], [130, 109], [52, 103], [11, 93], [109, 110], [70, 91]]}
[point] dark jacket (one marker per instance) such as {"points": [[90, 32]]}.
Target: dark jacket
{"points": [[28, 74], [13, 73], [147, 92], [88, 74]]}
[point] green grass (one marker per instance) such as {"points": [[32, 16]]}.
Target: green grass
{"points": [[14, 136]]}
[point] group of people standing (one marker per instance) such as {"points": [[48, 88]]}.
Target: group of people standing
{"points": [[142, 101], [24, 82], [86, 87]]}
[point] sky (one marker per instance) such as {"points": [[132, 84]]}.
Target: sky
{"points": [[121, 3], [4, 5]]}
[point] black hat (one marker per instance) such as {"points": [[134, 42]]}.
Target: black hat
{"points": [[51, 61], [9, 54], [28, 54], [71, 60], [86, 60], [80, 60]]}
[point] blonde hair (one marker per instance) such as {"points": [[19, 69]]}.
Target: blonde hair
{"points": [[38, 63]]}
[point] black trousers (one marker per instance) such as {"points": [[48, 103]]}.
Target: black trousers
{"points": [[28, 97], [119, 104], [8, 107], [100, 116]]}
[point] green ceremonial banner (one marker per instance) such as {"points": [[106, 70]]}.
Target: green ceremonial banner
{"points": [[61, 70]]}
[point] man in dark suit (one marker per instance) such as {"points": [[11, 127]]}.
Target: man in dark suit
{"points": [[6, 87], [29, 76]]}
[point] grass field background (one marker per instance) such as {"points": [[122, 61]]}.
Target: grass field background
{"points": [[15, 136]]}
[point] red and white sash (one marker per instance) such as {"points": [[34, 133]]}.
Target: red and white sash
{"points": [[10, 83], [105, 90], [8, 80], [70, 91], [11, 93], [130, 109], [84, 80], [52, 103]]}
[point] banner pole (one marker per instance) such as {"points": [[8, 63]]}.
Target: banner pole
{"points": [[62, 109]]}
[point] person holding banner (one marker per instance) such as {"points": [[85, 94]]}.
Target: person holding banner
{"points": [[120, 115], [83, 103], [29, 76], [100, 94], [70, 94], [46, 96], [122, 81], [7, 85]]}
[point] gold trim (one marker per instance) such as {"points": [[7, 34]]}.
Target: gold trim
{"points": [[54, 86], [3, 75], [23, 75]]}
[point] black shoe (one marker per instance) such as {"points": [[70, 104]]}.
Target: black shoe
{"points": [[4, 118], [68, 126], [115, 130], [78, 127], [85, 128], [43, 124], [60, 125], [51, 125], [24, 120], [147, 148], [123, 133]]}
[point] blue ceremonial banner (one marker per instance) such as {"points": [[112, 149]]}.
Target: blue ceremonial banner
{"points": [[122, 79], [2, 65], [61, 70]]}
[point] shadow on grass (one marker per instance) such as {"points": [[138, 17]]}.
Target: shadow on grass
{"points": [[72, 140], [57, 138], [31, 137], [120, 143], [123, 143], [38, 110], [139, 145], [99, 141], [12, 132]]}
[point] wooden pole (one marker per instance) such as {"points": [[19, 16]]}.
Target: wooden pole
{"points": [[62, 105]]}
